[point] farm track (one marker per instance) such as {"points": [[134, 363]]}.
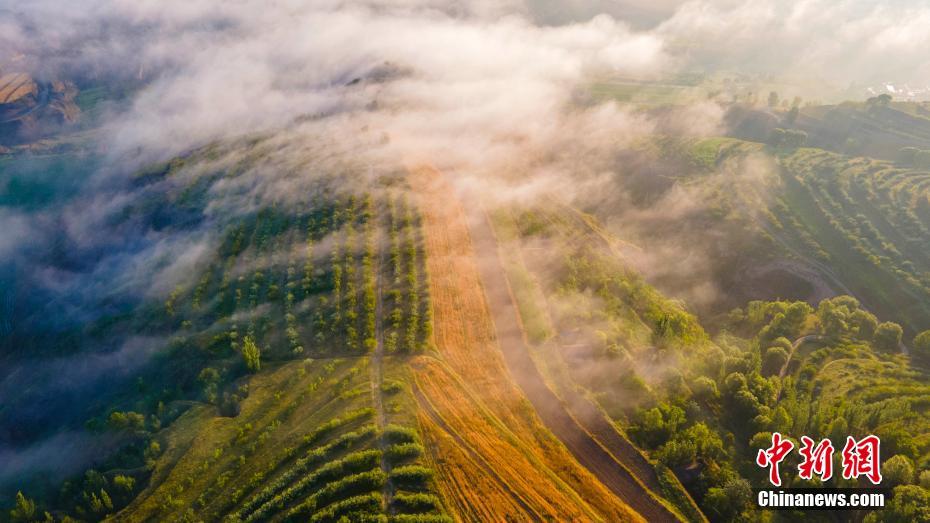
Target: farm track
{"points": [[471, 388], [554, 414], [584, 409]]}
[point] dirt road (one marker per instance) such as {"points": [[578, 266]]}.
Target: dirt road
{"points": [[586, 449]]}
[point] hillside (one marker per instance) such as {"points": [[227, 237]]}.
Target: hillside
{"points": [[316, 366], [387, 354], [702, 405], [798, 223]]}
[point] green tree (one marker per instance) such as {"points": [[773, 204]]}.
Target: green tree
{"points": [[887, 336], [921, 344], [677, 453], [909, 503], [924, 480], [774, 359], [898, 470], [705, 389], [787, 138], [251, 354], [208, 378], [838, 429], [125, 483], [126, 421], [24, 510], [865, 323], [728, 502], [656, 425]]}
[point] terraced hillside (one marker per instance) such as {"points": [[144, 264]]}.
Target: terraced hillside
{"points": [[860, 223], [306, 446], [385, 355], [798, 223], [699, 405], [281, 386], [878, 127], [335, 357], [318, 439]]}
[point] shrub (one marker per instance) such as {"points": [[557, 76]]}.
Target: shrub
{"points": [[397, 453], [411, 476], [887, 336], [417, 502], [921, 344], [398, 434], [251, 354], [364, 503]]}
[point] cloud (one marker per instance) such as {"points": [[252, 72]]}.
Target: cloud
{"points": [[833, 42]]}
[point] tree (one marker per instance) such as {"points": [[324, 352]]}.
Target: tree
{"points": [[209, 377], [887, 336], [865, 323], [734, 382], [774, 359], [787, 138], [656, 425], [708, 444], [677, 453], [908, 503], [251, 354], [838, 429], [795, 139], [773, 99], [126, 420], [729, 501], [777, 137], [921, 344], [24, 510], [705, 389], [125, 483], [924, 480], [898, 470]]}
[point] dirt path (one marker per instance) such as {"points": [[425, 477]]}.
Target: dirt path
{"points": [[471, 386], [794, 346], [586, 449]]}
